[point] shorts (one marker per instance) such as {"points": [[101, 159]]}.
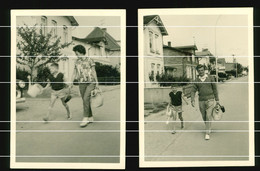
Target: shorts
{"points": [[176, 109], [60, 93]]}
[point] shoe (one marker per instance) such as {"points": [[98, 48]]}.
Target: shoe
{"points": [[182, 125], [69, 117], [91, 119], [207, 137], [45, 118], [84, 122]]}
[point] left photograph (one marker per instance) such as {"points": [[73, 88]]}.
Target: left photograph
{"points": [[68, 72]]}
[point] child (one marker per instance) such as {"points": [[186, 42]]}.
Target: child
{"points": [[175, 106], [59, 90]]}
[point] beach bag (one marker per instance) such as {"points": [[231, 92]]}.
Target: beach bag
{"points": [[34, 90], [96, 99], [217, 112]]}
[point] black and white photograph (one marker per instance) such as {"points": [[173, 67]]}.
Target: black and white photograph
{"points": [[69, 107], [196, 97]]}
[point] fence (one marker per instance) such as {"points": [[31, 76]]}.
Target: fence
{"points": [[161, 94]]}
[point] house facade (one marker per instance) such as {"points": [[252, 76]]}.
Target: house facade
{"points": [[153, 49], [60, 26], [101, 46], [221, 65], [180, 62], [204, 58]]}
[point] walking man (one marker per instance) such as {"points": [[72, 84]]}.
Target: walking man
{"points": [[208, 94]]}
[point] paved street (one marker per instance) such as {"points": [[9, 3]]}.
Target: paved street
{"points": [[234, 97], [68, 143]]}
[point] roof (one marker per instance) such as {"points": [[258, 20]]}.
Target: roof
{"points": [[176, 49], [221, 60], [204, 53], [150, 18], [187, 47], [73, 21], [98, 35]]}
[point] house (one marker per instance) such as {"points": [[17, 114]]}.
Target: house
{"points": [[221, 65], [154, 31], [204, 58], [62, 27], [177, 65], [230, 66], [101, 46]]}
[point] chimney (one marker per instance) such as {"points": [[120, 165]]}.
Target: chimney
{"points": [[170, 44], [104, 29]]}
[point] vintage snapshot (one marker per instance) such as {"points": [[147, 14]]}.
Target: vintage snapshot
{"points": [[196, 93], [68, 69]]}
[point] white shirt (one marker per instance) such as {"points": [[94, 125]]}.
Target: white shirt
{"points": [[203, 78]]}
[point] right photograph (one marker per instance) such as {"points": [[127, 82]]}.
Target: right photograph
{"points": [[196, 87]]}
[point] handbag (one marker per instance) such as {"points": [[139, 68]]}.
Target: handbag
{"points": [[217, 112], [168, 111], [96, 99]]}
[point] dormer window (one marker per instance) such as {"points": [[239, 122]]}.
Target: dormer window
{"points": [[43, 25], [54, 27]]}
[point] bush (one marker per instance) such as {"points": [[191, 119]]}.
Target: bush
{"points": [[168, 80], [107, 74], [42, 75]]}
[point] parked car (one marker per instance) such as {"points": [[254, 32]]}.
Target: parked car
{"points": [[20, 85], [221, 77]]}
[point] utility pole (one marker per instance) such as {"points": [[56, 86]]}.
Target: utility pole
{"points": [[235, 61], [216, 48]]}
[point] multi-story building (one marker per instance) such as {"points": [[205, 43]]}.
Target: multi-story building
{"points": [[101, 46], [154, 31], [180, 62], [204, 58], [60, 26]]}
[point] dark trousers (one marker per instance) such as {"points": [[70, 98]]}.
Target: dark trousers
{"points": [[85, 92]]}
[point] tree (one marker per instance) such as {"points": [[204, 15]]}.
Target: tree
{"points": [[240, 68], [37, 49]]}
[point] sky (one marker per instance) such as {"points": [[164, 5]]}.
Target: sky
{"points": [[229, 40], [97, 21]]}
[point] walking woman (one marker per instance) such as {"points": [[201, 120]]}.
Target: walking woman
{"points": [[85, 73]]}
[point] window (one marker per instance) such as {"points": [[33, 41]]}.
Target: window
{"points": [[158, 69], [43, 25], [54, 28], [157, 43], [152, 72], [151, 43], [65, 34]]}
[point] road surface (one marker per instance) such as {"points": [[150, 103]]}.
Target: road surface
{"points": [[190, 142], [64, 143]]}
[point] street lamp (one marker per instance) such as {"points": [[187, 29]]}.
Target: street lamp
{"points": [[216, 47]]}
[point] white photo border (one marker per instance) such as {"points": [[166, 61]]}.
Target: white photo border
{"points": [[195, 11], [57, 12]]}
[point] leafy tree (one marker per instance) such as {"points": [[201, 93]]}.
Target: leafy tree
{"points": [[240, 68], [35, 49]]}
